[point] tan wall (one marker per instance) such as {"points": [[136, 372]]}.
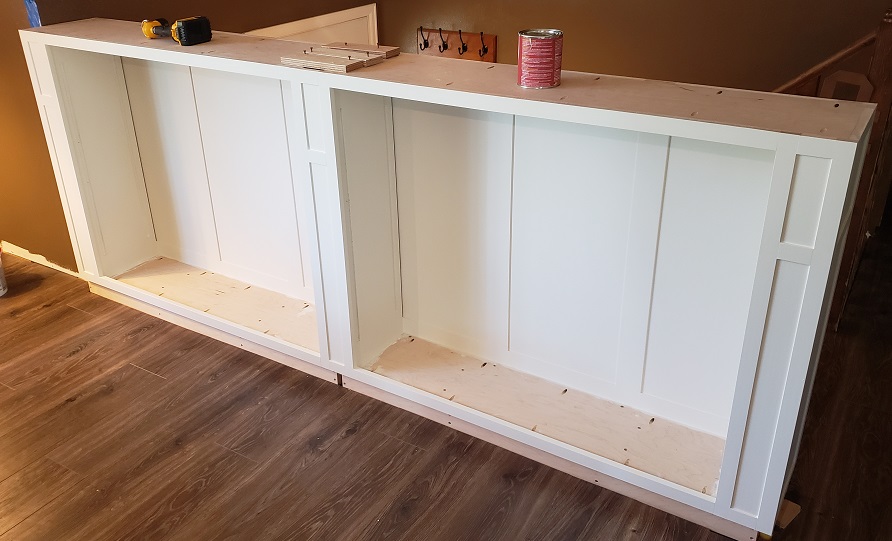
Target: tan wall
{"points": [[228, 15], [30, 210], [757, 44]]}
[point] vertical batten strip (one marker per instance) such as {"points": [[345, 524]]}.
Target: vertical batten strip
{"points": [[641, 258]]}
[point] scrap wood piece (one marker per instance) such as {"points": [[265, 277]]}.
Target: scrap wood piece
{"points": [[367, 58], [326, 63], [388, 51], [788, 511]]}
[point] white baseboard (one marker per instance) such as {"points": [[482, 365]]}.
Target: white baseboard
{"points": [[10, 248]]}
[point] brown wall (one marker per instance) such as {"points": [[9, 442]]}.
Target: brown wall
{"points": [[30, 210], [757, 44], [228, 15]]}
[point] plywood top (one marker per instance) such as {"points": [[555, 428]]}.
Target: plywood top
{"points": [[826, 119]]}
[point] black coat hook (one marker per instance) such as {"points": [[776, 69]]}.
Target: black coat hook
{"points": [[482, 52], [424, 42], [445, 45], [464, 46]]}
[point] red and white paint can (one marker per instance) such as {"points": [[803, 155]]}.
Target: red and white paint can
{"points": [[539, 53]]}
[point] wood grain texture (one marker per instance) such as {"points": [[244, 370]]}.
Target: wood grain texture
{"points": [[172, 435], [122, 426], [639, 440], [825, 119]]}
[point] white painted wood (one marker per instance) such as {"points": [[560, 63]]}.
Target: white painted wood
{"points": [[97, 119], [570, 225], [365, 135], [782, 172], [245, 143], [453, 171], [732, 116], [40, 70], [808, 331], [713, 212], [292, 320], [331, 224], [807, 190], [774, 363], [641, 258], [718, 171], [354, 25], [627, 436], [170, 145]]}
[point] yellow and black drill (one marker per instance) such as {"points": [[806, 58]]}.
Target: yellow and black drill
{"points": [[191, 31]]}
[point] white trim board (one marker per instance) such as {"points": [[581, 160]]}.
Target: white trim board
{"points": [[10, 248], [335, 23]]}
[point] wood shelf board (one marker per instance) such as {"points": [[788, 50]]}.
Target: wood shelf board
{"points": [[820, 118], [271, 313], [636, 439]]}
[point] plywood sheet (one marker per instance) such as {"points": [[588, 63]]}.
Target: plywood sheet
{"points": [[825, 119], [289, 319], [668, 450]]}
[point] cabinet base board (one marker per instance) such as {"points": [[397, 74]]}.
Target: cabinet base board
{"points": [[217, 334], [707, 520]]}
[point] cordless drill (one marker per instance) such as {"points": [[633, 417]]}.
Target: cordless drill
{"points": [[191, 31]]}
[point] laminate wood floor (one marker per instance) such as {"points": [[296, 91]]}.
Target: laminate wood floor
{"points": [[116, 425]]}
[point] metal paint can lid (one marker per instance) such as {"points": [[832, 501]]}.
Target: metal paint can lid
{"points": [[542, 33]]}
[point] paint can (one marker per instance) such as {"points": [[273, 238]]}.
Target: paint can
{"points": [[3, 288], [539, 53]]}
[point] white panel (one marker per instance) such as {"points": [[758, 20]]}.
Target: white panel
{"points": [[806, 200], [316, 118], [242, 124], [100, 133], [771, 379], [42, 70], [641, 257], [166, 124], [713, 211], [354, 31], [454, 182], [573, 188], [366, 160]]}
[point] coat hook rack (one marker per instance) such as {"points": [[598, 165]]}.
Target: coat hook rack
{"points": [[456, 43], [445, 45], [482, 52], [424, 42]]}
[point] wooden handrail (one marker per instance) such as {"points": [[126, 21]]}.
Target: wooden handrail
{"points": [[862, 43]]}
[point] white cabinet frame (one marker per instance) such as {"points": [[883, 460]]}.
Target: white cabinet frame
{"points": [[794, 273]]}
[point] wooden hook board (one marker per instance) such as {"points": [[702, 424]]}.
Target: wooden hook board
{"points": [[453, 44]]}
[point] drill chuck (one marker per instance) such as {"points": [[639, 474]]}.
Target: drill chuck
{"points": [[191, 31]]}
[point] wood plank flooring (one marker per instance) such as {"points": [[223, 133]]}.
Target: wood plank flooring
{"points": [[116, 425]]}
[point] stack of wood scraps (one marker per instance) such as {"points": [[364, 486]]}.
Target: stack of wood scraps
{"points": [[340, 57]]}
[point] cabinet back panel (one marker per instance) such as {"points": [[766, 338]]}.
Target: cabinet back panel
{"points": [[166, 124], [249, 170], [453, 169], [573, 187], [106, 157], [713, 213]]}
